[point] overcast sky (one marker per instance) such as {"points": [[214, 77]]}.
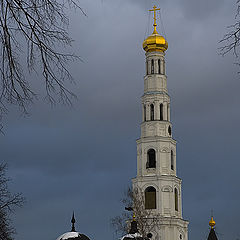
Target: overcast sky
{"points": [[83, 159]]}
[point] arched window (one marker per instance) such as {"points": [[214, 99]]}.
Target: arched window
{"points": [[172, 160], [144, 112], [159, 66], [151, 158], [150, 198], [147, 67], [176, 199], [161, 111], [152, 112], [169, 130], [152, 66]]}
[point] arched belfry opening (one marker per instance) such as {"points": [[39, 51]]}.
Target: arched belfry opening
{"points": [[152, 112], [169, 130], [151, 158], [161, 112], [176, 199], [159, 66], [172, 160], [150, 198], [152, 66]]}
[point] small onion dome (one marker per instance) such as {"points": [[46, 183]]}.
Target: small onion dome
{"points": [[155, 42], [212, 223]]}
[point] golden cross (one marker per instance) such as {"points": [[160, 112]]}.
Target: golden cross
{"points": [[155, 19]]}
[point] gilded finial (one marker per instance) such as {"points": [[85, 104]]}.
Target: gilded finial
{"points": [[154, 18], [212, 223]]}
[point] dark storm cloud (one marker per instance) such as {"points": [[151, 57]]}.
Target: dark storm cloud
{"points": [[194, 9], [83, 158]]}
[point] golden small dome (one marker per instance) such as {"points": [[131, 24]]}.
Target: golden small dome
{"points": [[212, 223], [155, 42]]}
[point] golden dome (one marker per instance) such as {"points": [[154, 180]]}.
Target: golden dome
{"points": [[155, 42], [212, 223]]}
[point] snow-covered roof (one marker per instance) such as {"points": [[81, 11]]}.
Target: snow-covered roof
{"points": [[135, 235], [69, 235]]}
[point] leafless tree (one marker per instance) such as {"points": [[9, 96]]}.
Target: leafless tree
{"points": [[8, 203], [146, 219], [231, 40], [34, 37]]}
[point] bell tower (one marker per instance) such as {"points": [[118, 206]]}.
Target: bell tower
{"points": [[156, 148]]}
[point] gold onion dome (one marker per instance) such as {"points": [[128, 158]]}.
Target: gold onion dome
{"points": [[155, 42], [212, 223]]}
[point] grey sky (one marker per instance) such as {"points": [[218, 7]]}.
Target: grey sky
{"points": [[83, 158]]}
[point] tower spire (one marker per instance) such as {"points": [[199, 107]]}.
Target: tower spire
{"points": [[73, 223], [154, 18]]}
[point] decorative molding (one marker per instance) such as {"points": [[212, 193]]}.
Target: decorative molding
{"points": [[167, 188], [150, 185], [149, 147], [181, 231], [178, 189], [165, 150]]}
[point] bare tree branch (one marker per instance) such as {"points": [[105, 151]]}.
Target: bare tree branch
{"points": [[231, 40], [146, 220], [8, 203], [36, 30]]}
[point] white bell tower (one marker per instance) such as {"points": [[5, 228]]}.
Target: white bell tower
{"points": [[156, 149]]}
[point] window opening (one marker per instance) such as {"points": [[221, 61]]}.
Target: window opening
{"points": [[150, 198], [152, 112], [169, 131], [159, 66], [172, 160], [152, 67], [176, 199], [151, 159], [161, 111]]}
